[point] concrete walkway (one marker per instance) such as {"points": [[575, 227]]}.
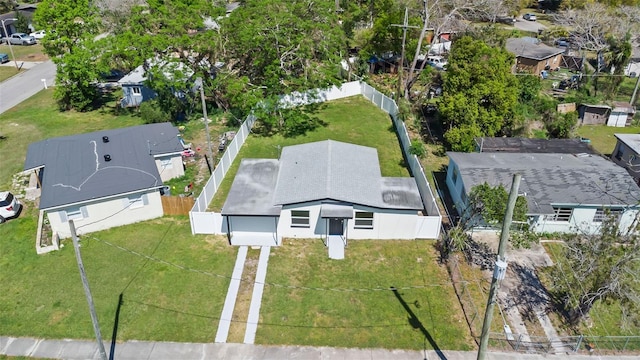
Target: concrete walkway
{"points": [[256, 296], [232, 294], [136, 350]]}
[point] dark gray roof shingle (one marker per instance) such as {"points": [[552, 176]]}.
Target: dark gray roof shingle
{"points": [[75, 169], [526, 49], [551, 178]]}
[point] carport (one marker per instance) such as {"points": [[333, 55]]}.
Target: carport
{"points": [[249, 215]]}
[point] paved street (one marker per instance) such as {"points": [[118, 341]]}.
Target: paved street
{"points": [[135, 350], [21, 87], [525, 25]]}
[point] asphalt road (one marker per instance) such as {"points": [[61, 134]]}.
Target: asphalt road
{"points": [[525, 25], [23, 86]]}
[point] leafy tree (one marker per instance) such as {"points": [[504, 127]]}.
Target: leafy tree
{"points": [[480, 93], [280, 47], [561, 126], [21, 24], [598, 268], [490, 202], [617, 56], [75, 23]]}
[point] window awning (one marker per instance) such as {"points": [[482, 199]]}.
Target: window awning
{"points": [[336, 211]]}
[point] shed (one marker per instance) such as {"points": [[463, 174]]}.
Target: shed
{"points": [[621, 114], [593, 114]]}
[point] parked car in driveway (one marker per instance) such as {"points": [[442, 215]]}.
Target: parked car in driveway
{"points": [[4, 58], [21, 39], [9, 206], [437, 62], [529, 17], [38, 34]]}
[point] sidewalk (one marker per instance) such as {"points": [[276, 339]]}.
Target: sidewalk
{"points": [[136, 350], [23, 65]]}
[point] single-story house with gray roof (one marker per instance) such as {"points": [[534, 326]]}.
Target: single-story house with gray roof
{"points": [[328, 189], [565, 192], [533, 56], [105, 178]]}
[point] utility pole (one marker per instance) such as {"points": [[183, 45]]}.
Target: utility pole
{"points": [[404, 26], [87, 292], [635, 91], [501, 267], [206, 121]]}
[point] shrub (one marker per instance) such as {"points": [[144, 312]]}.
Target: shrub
{"points": [[417, 148], [151, 113]]}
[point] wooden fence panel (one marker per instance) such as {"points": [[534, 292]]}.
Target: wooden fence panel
{"points": [[177, 205]]}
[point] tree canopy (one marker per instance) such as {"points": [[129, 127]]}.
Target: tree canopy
{"points": [[480, 93], [598, 268], [75, 23]]}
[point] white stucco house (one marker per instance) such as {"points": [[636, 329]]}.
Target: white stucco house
{"points": [[565, 193], [105, 178], [328, 189]]}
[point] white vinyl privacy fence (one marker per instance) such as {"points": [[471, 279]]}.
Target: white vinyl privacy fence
{"points": [[427, 227]]}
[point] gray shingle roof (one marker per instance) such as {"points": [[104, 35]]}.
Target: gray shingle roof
{"points": [[631, 140], [75, 169], [252, 189], [526, 49], [339, 171], [551, 178], [324, 170]]}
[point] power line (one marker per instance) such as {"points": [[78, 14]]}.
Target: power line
{"points": [[285, 286]]}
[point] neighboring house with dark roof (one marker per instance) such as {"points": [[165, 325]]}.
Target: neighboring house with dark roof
{"points": [[26, 10], [533, 56], [526, 145], [327, 189], [565, 193], [627, 154], [105, 178]]}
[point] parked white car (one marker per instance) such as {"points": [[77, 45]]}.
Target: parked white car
{"points": [[437, 62], [39, 35], [9, 206]]}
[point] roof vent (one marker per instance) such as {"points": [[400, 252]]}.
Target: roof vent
{"points": [[107, 157], [105, 139]]}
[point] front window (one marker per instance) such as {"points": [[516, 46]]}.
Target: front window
{"points": [[607, 213], [300, 218], [166, 163], [75, 214], [136, 202], [561, 214], [454, 176], [364, 220], [136, 90]]}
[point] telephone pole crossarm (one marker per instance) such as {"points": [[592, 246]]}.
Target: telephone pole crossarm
{"points": [[405, 25]]}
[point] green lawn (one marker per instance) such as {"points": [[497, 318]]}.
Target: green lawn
{"points": [[7, 72], [361, 318], [25, 53], [602, 138], [354, 120], [38, 118], [42, 295]]}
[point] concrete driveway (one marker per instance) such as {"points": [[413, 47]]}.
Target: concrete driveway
{"points": [[24, 85]]}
